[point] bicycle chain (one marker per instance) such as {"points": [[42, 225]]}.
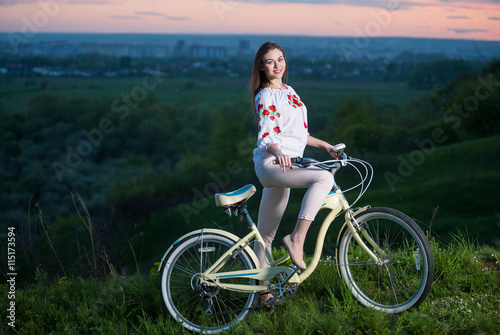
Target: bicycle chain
{"points": [[281, 291]]}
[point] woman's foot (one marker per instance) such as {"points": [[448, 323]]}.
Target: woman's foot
{"points": [[265, 297], [294, 255]]}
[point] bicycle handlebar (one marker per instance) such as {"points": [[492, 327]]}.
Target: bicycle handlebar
{"points": [[337, 163], [334, 164], [327, 165]]}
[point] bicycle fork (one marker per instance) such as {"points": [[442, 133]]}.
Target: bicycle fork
{"points": [[355, 227]]}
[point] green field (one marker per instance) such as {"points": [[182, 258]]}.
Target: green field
{"points": [[464, 300], [88, 238], [16, 93], [445, 195], [140, 177]]}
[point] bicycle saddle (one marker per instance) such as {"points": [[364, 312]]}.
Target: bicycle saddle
{"points": [[231, 198]]}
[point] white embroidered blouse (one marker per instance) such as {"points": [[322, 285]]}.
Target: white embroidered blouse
{"points": [[282, 121]]}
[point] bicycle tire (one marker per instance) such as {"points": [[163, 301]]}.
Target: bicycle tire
{"points": [[401, 283], [212, 310]]}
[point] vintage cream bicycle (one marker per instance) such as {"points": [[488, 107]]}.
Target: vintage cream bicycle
{"points": [[210, 278]]}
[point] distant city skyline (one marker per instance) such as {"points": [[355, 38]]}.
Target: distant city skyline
{"points": [[453, 19]]}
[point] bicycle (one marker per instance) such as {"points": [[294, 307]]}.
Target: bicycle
{"points": [[210, 278]]}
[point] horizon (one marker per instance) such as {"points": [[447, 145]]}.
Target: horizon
{"points": [[419, 19], [39, 36], [247, 34]]}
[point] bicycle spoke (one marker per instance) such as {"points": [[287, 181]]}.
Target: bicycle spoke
{"points": [[205, 308], [185, 270], [402, 280]]}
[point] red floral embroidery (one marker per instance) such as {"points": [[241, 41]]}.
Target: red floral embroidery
{"points": [[260, 107], [277, 130], [294, 101], [269, 112], [265, 134]]}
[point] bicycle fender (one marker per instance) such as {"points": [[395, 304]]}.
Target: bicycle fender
{"points": [[229, 235], [360, 210]]}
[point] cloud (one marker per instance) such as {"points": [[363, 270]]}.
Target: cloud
{"points": [[467, 31], [170, 18], [380, 3], [12, 2], [390, 4], [494, 18], [149, 13], [177, 18], [470, 2], [62, 2], [125, 17], [458, 17]]}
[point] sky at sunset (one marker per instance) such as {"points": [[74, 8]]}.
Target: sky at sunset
{"points": [[457, 19]]}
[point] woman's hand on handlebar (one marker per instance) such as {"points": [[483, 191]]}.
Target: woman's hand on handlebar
{"points": [[332, 151], [283, 161]]}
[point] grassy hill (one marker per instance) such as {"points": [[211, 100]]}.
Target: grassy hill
{"points": [[444, 194], [464, 300], [161, 161], [163, 151]]}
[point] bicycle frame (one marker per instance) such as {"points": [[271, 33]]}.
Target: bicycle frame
{"points": [[335, 202], [210, 278]]}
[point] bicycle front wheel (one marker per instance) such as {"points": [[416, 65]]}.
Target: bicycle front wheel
{"points": [[205, 309], [405, 276]]}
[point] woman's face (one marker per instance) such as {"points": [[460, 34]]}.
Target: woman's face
{"points": [[274, 64]]}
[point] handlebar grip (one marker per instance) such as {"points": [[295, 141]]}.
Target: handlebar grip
{"points": [[338, 148], [295, 160]]}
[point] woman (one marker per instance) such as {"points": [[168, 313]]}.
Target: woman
{"points": [[283, 133]]}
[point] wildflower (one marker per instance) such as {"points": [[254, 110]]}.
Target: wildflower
{"points": [[61, 280]]}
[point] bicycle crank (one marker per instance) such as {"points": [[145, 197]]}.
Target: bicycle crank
{"points": [[281, 291]]}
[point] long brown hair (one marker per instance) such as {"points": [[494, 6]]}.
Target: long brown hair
{"points": [[258, 79]]}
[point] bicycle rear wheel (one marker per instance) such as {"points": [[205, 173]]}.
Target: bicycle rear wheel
{"points": [[209, 309], [405, 278]]}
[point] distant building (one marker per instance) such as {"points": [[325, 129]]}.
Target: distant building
{"points": [[207, 52], [116, 50], [244, 48], [180, 48]]}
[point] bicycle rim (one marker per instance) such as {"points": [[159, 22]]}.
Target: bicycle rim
{"points": [[211, 309], [405, 278]]}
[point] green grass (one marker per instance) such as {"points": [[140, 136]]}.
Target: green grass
{"points": [[457, 181], [443, 194], [16, 93], [464, 300]]}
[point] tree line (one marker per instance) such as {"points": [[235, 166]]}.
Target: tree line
{"points": [[175, 154]]}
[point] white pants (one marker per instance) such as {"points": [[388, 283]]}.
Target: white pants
{"points": [[276, 192]]}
